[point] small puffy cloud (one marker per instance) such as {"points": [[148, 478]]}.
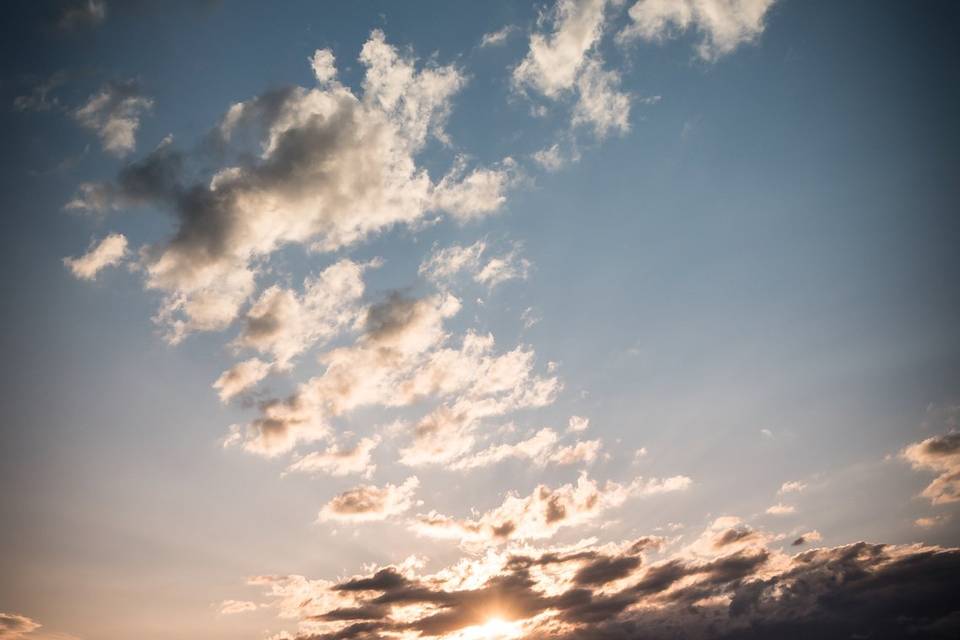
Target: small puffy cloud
{"points": [[939, 454], [535, 449], [240, 377], [555, 59], [324, 66], [114, 113], [230, 607], [565, 60], [282, 323], [542, 513], [339, 461], [80, 14], [930, 522], [332, 168], [108, 252], [806, 538], [585, 452], [13, 626], [600, 103], [368, 502], [792, 486], [780, 509], [550, 158], [577, 424], [498, 37], [444, 264], [723, 25]]}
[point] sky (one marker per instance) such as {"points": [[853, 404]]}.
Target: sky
{"points": [[583, 319]]}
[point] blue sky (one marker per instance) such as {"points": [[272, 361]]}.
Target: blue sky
{"points": [[673, 270]]}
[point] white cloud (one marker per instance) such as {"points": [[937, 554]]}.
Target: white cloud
{"points": [[793, 486], [542, 513], [338, 461], [283, 323], [498, 37], [781, 509], [114, 113], [231, 607], [550, 158], [722, 24], [939, 454], [578, 423], [240, 377], [555, 59], [13, 626], [324, 66], [334, 168], [108, 252], [443, 265], [566, 60], [368, 502]]}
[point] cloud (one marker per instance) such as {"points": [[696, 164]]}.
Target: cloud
{"points": [[107, 253], [230, 607], [114, 113], [14, 626], [283, 324], [542, 513], [368, 502], [793, 486], [555, 59], [443, 265], [600, 103], [240, 377], [550, 158], [540, 449], [80, 14], [723, 25], [781, 509], [331, 169], [498, 37], [565, 61], [324, 65], [931, 521], [578, 424], [939, 454], [632, 589], [809, 536], [39, 98], [337, 461]]}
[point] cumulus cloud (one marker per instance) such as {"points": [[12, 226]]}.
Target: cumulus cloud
{"points": [[240, 377], [324, 65], [633, 589], [792, 486], [498, 37], [283, 323], [339, 461], [543, 512], [332, 169], [723, 25], [540, 449], [368, 502], [443, 265], [110, 251], [930, 522], [939, 454], [565, 60], [577, 424], [114, 113], [231, 607], [80, 14], [781, 509], [13, 626], [550, 158]]}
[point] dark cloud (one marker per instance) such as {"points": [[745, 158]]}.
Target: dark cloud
{"points": [[858, 590]]}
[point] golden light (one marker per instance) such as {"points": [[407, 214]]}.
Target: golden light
{"points": [[495, 628]]}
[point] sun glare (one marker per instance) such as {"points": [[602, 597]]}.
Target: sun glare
{"points": [[496, 628]]}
